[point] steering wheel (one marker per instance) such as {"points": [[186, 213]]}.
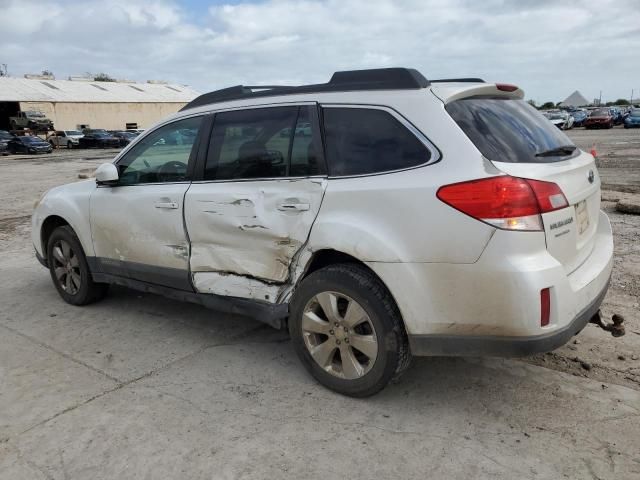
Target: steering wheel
{"points": [[171, 171]]}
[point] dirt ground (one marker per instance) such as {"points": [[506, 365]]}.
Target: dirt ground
{"points": [[139, 386]]}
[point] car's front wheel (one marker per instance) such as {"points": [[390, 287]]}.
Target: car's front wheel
{"points": [[69, 269], [347, 330]]}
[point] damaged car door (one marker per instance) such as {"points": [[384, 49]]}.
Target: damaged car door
{"points": [[137, 224], [253, 208]]}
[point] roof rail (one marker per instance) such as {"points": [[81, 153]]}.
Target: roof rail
{"points": [[459, 80], [373, 79]]}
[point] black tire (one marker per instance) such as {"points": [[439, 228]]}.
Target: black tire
{"points": [[358, 283], [88, 291], [69, 145]]}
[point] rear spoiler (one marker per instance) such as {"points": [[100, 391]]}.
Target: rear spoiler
{"points": [[450, 92]]}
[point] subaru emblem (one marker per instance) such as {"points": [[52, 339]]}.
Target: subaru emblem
{"points": [[591, 176]]}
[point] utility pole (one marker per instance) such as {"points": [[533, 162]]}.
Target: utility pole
{"points": [[631, 100], [600, 99]]}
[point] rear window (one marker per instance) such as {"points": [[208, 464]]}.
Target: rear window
{"points": [[506, 130], [366, 140]]}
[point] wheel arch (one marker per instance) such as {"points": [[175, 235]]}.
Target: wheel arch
{"points": [[328, 256], [48, 226]]}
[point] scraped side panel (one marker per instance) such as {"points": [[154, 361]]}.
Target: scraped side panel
{"points": [[244, 234]]}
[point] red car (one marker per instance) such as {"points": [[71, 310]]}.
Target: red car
{"points": [[599, 118]]}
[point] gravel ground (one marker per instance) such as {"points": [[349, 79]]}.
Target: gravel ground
{"points": [[139, 386]]}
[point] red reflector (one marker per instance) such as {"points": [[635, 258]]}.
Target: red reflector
{"points": [[545, 306], [506, 87]]}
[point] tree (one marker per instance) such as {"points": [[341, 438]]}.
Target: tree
{"points": [[621, 101], [532, 103], [103, 77], [547, 106]]}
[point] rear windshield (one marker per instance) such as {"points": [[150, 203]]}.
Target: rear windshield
{"points": [[506, 130]]}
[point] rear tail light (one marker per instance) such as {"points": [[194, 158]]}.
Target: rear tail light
{"points": [[506, 87], [506, 202], [545, 306]]}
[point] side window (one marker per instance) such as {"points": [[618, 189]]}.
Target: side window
{"points": [[161, 156], [262, 143], [367, 140]]}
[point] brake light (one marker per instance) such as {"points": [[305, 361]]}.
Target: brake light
{"points": [[505, 202], [545, 306], [506, 87]]}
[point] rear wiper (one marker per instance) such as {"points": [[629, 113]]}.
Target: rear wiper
{"points": [[564, 150]]}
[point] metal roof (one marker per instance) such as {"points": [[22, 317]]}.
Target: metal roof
{"points": [[32, 90]]}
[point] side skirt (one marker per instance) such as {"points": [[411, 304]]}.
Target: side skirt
{"points": [[271, 314]]}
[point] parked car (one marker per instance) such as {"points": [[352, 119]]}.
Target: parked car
{"points": [[29, 144], [579, 117], [65, 138], [560, 119], [31, 119], [5, 137], [124, 138], [599, 118], [98, 139], [417, 218], [618, 116], [633, 119], [135, 131]]}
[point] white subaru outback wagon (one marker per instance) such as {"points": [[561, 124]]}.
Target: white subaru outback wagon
{"points": [[377, 216]]}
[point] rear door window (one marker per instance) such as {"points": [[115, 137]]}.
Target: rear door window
{"points": [[506, 130], [271, 142], [369, 140]]}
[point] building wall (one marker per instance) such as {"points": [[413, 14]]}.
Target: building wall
{"points": [[110, 116]]}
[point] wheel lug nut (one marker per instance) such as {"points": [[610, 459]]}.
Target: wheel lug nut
{"points": [[336, 324], [337, 342], [346, 340], [330, 332]]}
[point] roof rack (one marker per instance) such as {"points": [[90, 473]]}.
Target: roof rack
{"points": [[352, 80], [458, 80]]}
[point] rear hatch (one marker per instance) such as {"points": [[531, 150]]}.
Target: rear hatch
{"points": [[522, 143]]}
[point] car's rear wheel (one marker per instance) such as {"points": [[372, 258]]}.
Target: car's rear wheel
{"points": [[347, 330], [69, 269], [69, 145]]}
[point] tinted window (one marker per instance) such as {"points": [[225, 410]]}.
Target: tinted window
{"points": [[262, 143], [365, 140], [162, 156], [508, 130]]}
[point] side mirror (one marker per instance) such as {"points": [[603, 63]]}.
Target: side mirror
{"points": [[107, 174]]}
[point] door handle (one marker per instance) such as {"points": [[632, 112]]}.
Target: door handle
{"points": [[293, 207], [168, 205]]}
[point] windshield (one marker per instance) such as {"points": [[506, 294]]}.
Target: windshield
{"points": [[73, 132], [31, 113], [506, 130], [600, 112], [635, 113], [5, 136], [31, 140]]}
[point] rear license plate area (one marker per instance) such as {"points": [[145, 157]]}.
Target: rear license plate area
{"points": [[582, 216]]}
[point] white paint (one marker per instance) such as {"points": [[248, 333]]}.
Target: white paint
{"points": [[240, 228]]}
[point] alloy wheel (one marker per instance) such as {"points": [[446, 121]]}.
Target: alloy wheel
{"points": [[339, 335], [66, 267]]}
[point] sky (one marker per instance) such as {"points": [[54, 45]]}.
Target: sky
{"points": [[547, 47]]}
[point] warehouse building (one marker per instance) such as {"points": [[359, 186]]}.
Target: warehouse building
{"points": [[84, 103]]}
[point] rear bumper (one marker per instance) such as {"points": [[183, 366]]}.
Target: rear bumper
{"points": [[492, 306], [494, 346]]}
